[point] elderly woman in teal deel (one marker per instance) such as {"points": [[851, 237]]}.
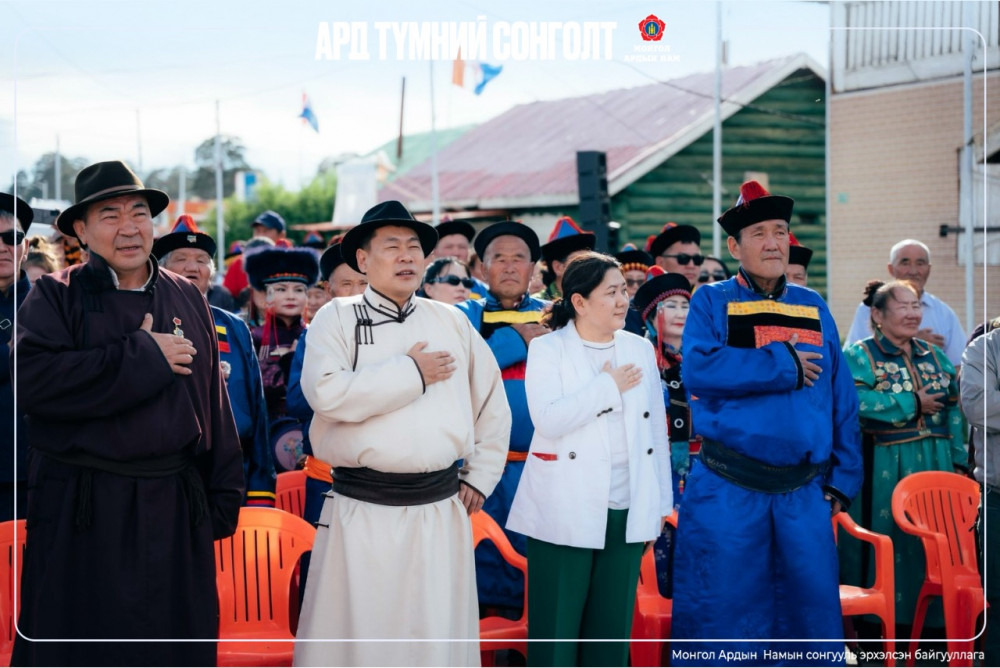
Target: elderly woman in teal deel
{"points": [[910, 420]]}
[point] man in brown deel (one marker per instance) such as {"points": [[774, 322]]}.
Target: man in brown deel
{"points": [[134, 463]]}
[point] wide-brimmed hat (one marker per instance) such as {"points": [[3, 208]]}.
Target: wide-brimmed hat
{"points": [[566, 237], [657, 288], [277, 265], [382, 215], [671, 234], [107, 180], [24, 213], [446, 227], [508, 228], [754, 205], [329, 261], [184, 234]]}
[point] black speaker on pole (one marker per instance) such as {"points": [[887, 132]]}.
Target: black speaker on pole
{"points": [[595, 205]]}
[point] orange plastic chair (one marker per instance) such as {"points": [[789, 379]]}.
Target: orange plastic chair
{"points": [[11, 543], [254, 569], [499, 632], [290, 492], [940, 508], [880, 598], [652, 615]]}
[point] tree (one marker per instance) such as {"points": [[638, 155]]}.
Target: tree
{"points": [[312, 204], [233, 160], [41, 181], [169, 181]]}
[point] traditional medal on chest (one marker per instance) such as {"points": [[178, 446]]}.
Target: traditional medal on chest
{"points": [[177, 327]]}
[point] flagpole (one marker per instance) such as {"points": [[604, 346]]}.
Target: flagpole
{"points": [[220, 225], [399, 142], [434, 166]]}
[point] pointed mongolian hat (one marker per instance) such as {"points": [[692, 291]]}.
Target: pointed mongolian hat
{"points": [[566, 237], [184, 234], [754, 205], [671, 234], [797, 253]]}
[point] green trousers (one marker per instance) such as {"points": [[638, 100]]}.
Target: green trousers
{"points": [[578, 593]]}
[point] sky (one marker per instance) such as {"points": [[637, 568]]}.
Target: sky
{"points": [[139, 81]]}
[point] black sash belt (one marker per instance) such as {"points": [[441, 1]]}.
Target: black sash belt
{"points": [[755, 475], [395, 489], [178, 463]]}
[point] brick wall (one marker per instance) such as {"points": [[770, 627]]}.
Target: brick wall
{"points": [[894, 175]]}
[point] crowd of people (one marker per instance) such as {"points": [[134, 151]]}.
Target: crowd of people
{"points": [[421, 374]]}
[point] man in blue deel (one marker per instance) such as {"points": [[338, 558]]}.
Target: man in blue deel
{"points": [[773, 399], [508, 318]]}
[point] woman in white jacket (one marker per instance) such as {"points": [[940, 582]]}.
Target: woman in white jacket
{"points": [[597, 484]]}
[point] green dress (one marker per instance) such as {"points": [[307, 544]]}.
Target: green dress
{"points": [[897, 442]]}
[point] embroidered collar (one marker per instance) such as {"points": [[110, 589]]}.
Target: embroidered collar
{"points": [[780, 289], [919, 347], [379, 303]]}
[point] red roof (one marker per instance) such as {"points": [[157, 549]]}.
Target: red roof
{"points": [[527, 156]]}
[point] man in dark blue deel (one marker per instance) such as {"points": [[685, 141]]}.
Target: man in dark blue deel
{"points": [[14, 286]]}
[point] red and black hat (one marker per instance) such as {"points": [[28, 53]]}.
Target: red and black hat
{"points": [[184, 234], [754, 205], [566, 237], [797, 253], [660, 286], [671, 234], [277, 265], [314, 240]]}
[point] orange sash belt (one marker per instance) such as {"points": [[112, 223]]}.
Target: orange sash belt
{"points": [[515, 456], [317, 469]]}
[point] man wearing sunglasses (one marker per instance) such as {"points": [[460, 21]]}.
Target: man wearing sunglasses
{"points": [[676, 251], [14, 286]]}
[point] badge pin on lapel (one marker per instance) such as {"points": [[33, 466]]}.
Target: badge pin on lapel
{"points": [[177, 327]]}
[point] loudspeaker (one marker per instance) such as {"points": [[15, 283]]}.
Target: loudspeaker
{"points": [[595, 205]]}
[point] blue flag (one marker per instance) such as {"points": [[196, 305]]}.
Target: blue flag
{"points": [[307, 113], [486, 74]]}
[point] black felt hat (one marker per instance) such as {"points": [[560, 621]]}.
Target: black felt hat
{"points": [[381, 215], [634, 259], [508, 228], [657, 288], [107, 180], [184, 234], [671, 234], [23, 213], [275, 265], [754, 205], [329, 261], [798, 254], [566, 237], [447, 227]]}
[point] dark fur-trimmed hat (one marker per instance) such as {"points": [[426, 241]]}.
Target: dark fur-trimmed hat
{"points": [[633, 259], [276, 265], [754, 205], [184, 234]]}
